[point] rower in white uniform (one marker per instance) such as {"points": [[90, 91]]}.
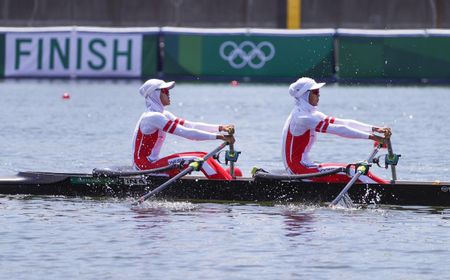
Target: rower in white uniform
{"points": [[303, 124], [153, 125]]}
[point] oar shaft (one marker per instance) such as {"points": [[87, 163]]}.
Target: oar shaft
{"points": [[166, 184], [345, 189], [216, 150], [354, 179], [179, 175]]}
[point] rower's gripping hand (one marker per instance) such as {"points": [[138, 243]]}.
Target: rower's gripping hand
{"points": [[229, 138], [378, 139], [229, 128], [383, 130]]}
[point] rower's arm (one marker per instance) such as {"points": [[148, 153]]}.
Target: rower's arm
{"points": [[354, 124], [195, 125], [175, 126], [193, 134], [367, 128], [202, 126], [347, 131]]}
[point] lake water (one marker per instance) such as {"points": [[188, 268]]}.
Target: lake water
{"points": [[83, 238]]}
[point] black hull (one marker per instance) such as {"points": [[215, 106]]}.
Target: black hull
{"points": [[240, 190]]}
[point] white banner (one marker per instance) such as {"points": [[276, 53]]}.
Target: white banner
{"points": [[73, 54]]}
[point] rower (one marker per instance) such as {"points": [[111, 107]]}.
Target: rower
{"points": [[153, 125], [300, 133]]}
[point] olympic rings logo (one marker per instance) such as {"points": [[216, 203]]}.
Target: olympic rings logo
{"points": [[247, 53]]}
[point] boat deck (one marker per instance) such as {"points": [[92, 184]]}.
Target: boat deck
{"points": [[242, 189]]}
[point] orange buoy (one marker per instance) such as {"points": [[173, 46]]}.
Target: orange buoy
{"points": [[234, 83]]}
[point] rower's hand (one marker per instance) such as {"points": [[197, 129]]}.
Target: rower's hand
{"points": [[378, 139], [227, 138], [383, 130], [229, 128], [387, 132]]}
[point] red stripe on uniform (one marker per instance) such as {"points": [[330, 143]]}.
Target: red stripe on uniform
{"points": [[168, 124], [325, 126], [319, 126], [181, 122], [174, 125], [327, 122]]}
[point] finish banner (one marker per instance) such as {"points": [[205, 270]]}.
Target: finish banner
{"points": [[252, 53], [80, 52]]}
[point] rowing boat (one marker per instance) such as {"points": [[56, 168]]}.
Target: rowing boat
{"points": [[243, 189]]}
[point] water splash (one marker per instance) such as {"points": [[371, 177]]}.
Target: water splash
{"points": [[296, 207], [174, 206]]}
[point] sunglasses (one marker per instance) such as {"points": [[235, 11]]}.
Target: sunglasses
{"points": [[315, 92], [164, 90]]}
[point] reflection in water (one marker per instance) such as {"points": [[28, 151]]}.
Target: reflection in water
{"points": [[151, 218], [298, 223]]}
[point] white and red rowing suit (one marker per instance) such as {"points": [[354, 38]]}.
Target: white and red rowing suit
{"points": [[300, 134], [150, 133]]}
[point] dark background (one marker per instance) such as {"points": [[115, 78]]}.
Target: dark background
{"points": [[378, 14]]}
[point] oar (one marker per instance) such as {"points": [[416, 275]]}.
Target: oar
{"points": [[232, 153], [360, 170], [193, 166], [391, 156]]}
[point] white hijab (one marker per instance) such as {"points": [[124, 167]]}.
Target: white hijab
{"points": [[300, 90], [152, 97], [302, 102], [153, 102]]}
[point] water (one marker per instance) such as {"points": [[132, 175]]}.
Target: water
{"points": [[83, 238], [61, 238]]}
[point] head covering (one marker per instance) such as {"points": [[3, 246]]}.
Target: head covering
{"points": [[151, 91], [300, 91]]}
